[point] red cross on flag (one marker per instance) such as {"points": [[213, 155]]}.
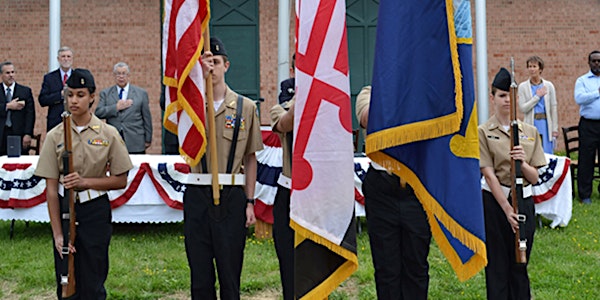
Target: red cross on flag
{"points": [[322, 196]]}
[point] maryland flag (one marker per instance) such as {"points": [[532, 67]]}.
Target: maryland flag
{"points": [[423, 119], [183, 26], [322, 196]]}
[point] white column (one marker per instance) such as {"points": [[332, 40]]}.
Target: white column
{"points": [[283, 41], [482, 61], [54, 34]]}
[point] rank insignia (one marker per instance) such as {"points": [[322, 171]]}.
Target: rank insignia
{"points": [[98, 142], [95, 127], [230, 122]]}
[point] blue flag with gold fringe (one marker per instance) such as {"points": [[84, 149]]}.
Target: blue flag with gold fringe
{"points": [[423, 119]]}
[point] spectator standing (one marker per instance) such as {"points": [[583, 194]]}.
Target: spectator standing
{"points": [[17, 110], [537, 100], [127, 108], [587, 96], [169, 139], [52, 94]]}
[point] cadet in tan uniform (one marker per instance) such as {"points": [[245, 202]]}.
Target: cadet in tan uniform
{"points": [[95, 145], [217, 234], [505, 279], [282, 121], [399, 233]]}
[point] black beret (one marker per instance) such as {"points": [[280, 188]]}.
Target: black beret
{"points": [[217, 47], [502, 80], [81, 78]]}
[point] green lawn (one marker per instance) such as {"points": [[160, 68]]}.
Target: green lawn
{"points": [[148, 262]]}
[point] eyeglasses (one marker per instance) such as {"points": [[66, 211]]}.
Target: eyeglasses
{"points": [[121, 74]]}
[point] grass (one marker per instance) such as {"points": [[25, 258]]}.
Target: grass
{"points": [[148, 261]]}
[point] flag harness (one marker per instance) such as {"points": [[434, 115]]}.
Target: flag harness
{"points": [[218, 212]]}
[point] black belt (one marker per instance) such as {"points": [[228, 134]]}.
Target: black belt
{"points": [[590, 120], [393, 177]]}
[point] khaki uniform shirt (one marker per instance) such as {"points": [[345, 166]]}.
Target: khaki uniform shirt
{"points": [[249, 137], [96, 146], [277, 112], [495, 145]]}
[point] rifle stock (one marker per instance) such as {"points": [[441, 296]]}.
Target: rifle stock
{"points": [[67, 211], [516, 175]]}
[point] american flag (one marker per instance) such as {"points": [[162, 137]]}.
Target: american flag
{"points": [[322, 196], [183, 27]]}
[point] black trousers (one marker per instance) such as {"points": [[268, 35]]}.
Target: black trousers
{"points": [[92, 240], [215, 235], [504, 278], [399, 235], [283, 235], [589, 145]]}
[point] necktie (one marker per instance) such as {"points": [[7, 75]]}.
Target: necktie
{"points": [[65, 77], [121, 93], [8, 99]]}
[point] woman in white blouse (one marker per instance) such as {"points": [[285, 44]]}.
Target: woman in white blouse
{"points": [[537, 100]]}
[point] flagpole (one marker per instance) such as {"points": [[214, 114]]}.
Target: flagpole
{"points": [[212, 136]]}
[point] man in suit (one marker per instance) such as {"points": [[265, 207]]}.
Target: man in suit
{"points": [[17, 110], [126, 107], [51, 94], [170, 140]]}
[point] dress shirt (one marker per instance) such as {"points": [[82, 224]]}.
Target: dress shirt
{"points": [[62, 74], [587, 96], [125, 91]]}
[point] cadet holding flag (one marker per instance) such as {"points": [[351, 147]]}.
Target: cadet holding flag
{"points": [[399, 233], [215, 234]]}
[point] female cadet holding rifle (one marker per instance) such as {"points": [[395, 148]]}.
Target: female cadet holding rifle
{"points": [[506, 279], [95, 145]]}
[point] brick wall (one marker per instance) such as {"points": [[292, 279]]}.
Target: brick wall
{"points": [[102, 33], [561, 32]]}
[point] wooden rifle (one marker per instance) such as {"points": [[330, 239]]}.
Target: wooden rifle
{"points": [[516, 174], [67, 212]]}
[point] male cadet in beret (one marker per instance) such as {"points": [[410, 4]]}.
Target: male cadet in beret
{"points": [[95, 145], [216, 234], [505, 279], [399, 233]]}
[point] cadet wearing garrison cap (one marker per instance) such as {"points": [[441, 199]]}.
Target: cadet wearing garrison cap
{"points": [[95, 146], [216, 235], [505, 279]]}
